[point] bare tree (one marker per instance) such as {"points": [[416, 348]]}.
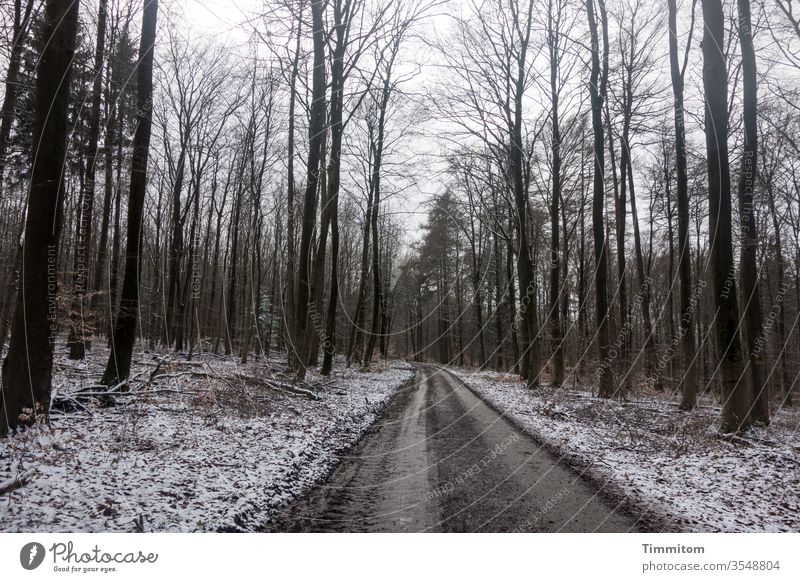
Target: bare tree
{"points": [[27, 369], [678, 73], [119, 362], [749, 250], [316, 133], [597, 92], [736, 394]]}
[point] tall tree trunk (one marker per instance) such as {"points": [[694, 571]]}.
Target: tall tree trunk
{"points": [[291, 309], [176, 248], [315, 137], [754, 328], [736, 393], [556, 332], [376, 199], [100, 267], [597, 94], [27, 369], [623, 334], [119, 362], [780, 269], [525, 268], [500, 361], [688, 346], [356, 333], [333, 177], [230, 316], [315, 323]]}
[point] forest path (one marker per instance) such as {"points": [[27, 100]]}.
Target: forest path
{"points": [[440, 459]]}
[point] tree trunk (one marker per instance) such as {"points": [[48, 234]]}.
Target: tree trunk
{"points": [[27, 370], [736, 393], [556, 332], [315, 137], [688, 349], [291, 309], [108, 193], [376, 199], [525, 269], [597, 94], [754, 328], [780, 268], [645, 284], [119, 362], [334, 168]]}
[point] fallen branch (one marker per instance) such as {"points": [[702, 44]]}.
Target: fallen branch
{"points": [[135, 394], [279, 386], [16, 482], [181, 374]]}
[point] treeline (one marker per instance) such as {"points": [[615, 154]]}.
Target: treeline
{"points": [[608, 222], [202, 195], [620, 202]]}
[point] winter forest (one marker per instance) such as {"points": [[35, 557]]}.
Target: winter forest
{"points": [[238, 240]]}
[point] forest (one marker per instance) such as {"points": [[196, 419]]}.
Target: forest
{"points": [[593, 195]]}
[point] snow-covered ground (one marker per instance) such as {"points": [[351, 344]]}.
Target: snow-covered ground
{"points": [[205, 445], [667, 463]]}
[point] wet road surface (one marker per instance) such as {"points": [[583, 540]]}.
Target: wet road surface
{"points": [[442, 460]]}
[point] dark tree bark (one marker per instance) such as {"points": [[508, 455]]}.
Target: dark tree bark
{"points": [[556, 331], [753, 317], [736, 393], [688, 349], [176, 249], [527, 288], [230, 298], [27, 369], [315, 137], [291, 308], [342, 26], [375, 185], [597, 93], [356, 333], [119, 363], [376, 199], [645, 284]]}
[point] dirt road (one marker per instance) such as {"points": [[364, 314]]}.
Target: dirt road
{"points": [[442, 460]]}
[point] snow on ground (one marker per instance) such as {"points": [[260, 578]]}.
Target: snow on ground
{"points": [[206, 445], [672, 466]]}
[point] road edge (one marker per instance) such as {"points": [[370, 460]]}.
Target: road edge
{"points": [[607, 488], [284, 521]]}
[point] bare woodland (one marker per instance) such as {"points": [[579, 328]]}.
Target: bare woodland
{"points": [[581, 192]]}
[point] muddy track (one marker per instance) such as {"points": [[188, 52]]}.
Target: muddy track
{"points": [[441, 460]]}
